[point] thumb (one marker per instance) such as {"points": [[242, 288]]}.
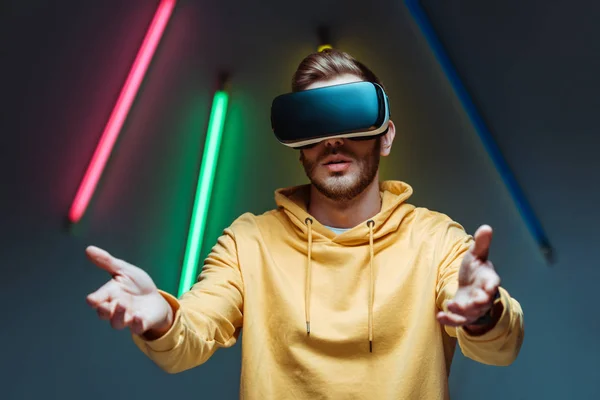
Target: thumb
{"points": [[483, 238], [104, 260]]}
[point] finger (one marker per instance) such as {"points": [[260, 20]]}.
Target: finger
{"points": [[491, 282], [128, 319], [469, 303], [105, 294], [469, 312], [137, 324], [483, 238], [461, 298], [466, 263], [480, 298], [487, 279], [450, 319], [118, 318], [105, 260], [457, 319], [458, 308], [105, 310]]}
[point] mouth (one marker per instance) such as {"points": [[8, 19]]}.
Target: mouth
{"points": [[337, 159], [337, 163]]}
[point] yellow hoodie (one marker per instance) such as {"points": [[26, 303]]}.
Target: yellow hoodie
{"points": [[379, 284]]}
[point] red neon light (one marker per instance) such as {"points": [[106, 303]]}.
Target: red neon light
{"points": [[121, 109]]}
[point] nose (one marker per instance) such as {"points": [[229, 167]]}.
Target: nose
{"points": [[335, 142]]}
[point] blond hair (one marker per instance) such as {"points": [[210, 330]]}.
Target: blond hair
{"points": [[329, 64]]}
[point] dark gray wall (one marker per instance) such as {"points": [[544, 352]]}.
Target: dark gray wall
{"points": [[531, 68]]}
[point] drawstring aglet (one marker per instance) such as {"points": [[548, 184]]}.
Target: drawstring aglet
{"points": [[308, 328], [370, 346]]}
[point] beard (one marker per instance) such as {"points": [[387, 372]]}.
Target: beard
{"points": [[344, 186]]}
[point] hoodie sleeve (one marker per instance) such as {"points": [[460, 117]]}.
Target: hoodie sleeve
{"points": [[207, 317], [500, 345]]}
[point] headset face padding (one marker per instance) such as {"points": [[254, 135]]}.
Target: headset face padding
{"points": [[358, 110]]}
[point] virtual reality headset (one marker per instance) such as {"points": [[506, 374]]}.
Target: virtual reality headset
{"points": [[357, 111]]}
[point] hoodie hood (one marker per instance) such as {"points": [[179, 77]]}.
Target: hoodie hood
{"points": [[294, 202], [394, 208]]}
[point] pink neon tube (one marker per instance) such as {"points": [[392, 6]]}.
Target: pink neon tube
{"points": [[121, 109]]}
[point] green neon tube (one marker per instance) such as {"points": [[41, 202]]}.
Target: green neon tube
{"points": [[203, 191]]}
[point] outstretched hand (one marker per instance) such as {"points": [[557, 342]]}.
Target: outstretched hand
{"points": [[478, 283], [130, 298]]}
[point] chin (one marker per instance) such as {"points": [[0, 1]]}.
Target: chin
{"points": [[340, 187], [336, 179], [345, 181]]}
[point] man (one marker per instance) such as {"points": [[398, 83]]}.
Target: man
{"points": [[345, 290]]}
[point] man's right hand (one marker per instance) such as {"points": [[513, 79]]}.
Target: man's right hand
{"points": [[130, 298]]}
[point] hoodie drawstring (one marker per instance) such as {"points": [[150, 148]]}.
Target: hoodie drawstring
{"points": [[308, 284], [370, 224]]}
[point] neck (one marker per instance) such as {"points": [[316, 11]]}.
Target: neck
{"points": [[345, 214]]}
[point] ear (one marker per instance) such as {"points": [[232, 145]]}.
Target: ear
{"points": [[388, 139]]}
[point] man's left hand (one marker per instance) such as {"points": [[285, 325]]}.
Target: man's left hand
{"points": [[478, 282]]}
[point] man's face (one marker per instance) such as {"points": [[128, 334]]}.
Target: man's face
{"points": [[341, 169]]}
